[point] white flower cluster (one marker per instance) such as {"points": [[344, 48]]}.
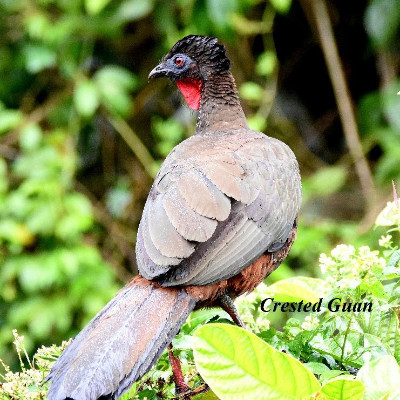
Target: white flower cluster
{"points": [[18, 385], [390, 215], [310, 323], [385, 241], [346, 266], [28, 384]]}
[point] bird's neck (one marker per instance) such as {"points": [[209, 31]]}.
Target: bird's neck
{"points": [[220, 108]]}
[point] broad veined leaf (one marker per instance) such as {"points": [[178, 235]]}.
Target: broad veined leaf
{"points": [[343, 388], [394, 260], [317, 368], [340, 347], [331, 374], [383, 324], [297, 289], [199, 317], [381, 379], [183, 341], [238, 365]]}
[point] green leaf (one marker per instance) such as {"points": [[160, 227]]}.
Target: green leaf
{"points": [[343, 388], [9, 119], [31, 277], [394, 259], [251, 91], [382, 20], [93, 7], [238, 365], [376, 288], [199, 317], [39, 57], [168, 129], [148, 394], [30, 137], [331, 346], [391, 104], [15, 232], [370, 112], [326, 181], [266, 63], [116, 75], [219, 10], [132, 10], [114, 84], [257, 122], [388, 166], [383, 324], [317, 368], [86, 97], [118, 199], [331, 374], [77, 217], [209, 395], [393, 290], [282, 6], [297, 288], [381, 378], [3, 176], [372, 348]]}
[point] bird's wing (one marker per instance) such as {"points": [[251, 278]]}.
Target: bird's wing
{"points": [[217, 204]]}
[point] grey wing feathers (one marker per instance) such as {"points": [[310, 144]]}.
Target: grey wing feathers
{"points": [[163, 233], [203, 196], [217, 205], [190, 224]]}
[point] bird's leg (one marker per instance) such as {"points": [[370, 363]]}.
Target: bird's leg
{"points": [[177, 375], [228, 305]]}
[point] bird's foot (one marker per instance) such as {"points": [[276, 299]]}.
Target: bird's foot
{"points": [[228, 305]]}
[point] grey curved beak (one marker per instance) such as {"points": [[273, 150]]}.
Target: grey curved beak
{"points": [[159, 71]]}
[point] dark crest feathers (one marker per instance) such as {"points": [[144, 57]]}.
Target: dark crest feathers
{"points": [[206, 51]]}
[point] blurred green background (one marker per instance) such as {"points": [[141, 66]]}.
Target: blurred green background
{"points": [[82, 134]]}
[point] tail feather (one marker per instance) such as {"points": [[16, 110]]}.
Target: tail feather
{"points": [[121, 343]]}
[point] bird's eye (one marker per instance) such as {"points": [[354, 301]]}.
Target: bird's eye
{"points": [[179, 61]]}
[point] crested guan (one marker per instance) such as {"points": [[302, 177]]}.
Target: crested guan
{"points": [[220, 217]]}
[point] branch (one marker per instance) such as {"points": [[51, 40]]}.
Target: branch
{"points": [[343, 100]]}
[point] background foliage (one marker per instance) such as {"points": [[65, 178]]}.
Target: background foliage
{"points": [[82, 134], [338, 352]]}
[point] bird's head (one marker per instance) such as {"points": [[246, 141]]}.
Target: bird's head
{"points": [[190, 62]]}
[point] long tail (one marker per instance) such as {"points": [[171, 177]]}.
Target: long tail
{"points": [[121, 343]]}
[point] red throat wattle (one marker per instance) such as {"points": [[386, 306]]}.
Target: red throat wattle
{"points": [[191, 90]]}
